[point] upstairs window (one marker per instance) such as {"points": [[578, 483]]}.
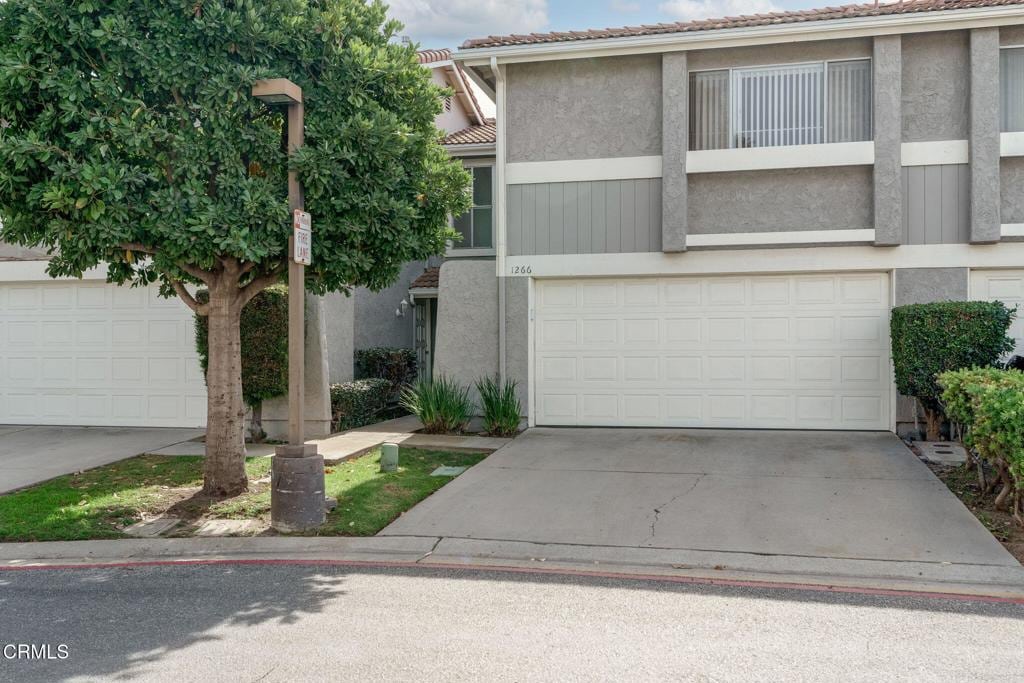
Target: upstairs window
{"points": [[476, 225], [769, 106], [1011, 89]]}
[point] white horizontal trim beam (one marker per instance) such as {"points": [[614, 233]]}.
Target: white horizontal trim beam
{"points": [[1011, 144], [934, 153], [581, 170], [783, 260], [34, 271], [770, 34], [787, 237], [791, 156], [1012, 230]]}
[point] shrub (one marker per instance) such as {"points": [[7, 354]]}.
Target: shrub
{"points": [[441, 405], [500, 406], [397, 366], [928, 339], [357, 403], [264, 333], [956, 399], [990, 403]]}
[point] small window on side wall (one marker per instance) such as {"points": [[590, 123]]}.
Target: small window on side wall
{"points": [[477, 225]]}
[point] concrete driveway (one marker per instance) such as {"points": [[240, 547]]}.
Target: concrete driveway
{"points": [[844, 495], [29, 455]]}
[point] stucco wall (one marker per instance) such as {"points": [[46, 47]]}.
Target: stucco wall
{"points": [[1011, 35], [517, 355], [1011, 184], [455, 119], [339, 319], [936, 82], [584, 109], [375, 321], [466, 345], [724, 58], [836, 198]]}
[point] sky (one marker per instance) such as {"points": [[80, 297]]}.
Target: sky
{"points": [[446, 23]]}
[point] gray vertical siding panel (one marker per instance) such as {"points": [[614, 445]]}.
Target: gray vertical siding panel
{"points": [[613, 211], [950, 205], [515, 220], [964, 203], [933, 204], [599, 216], [936, 204], [656, 217], [627, 217], [556, 218], [585, 200], [915, 205], [642, 215], [609, 216]]}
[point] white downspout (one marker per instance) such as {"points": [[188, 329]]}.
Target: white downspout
{"points": [[500, 243]]}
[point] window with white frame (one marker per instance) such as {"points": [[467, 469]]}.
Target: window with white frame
{"points": [[477, 225], [1011, 89], [769, 106]]}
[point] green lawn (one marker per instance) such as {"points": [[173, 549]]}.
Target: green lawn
{"points": [[98, 503]]}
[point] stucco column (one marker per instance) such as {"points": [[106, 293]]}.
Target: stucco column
{"points": [[675, 96], [984, 135], [888, 182]]}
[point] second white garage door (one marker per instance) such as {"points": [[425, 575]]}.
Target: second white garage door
{"points": [[795, 351], [89, 353], [1006, 286]]}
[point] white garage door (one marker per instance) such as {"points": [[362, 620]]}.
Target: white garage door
{"points": [[803, 352], [89, 353], [1006, 286]]}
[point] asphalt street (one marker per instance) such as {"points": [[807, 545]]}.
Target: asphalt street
{"points": [[320, 622]]}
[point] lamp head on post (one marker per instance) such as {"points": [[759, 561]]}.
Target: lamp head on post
{"points": [[277, 91]]}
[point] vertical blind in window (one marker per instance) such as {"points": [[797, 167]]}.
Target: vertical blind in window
{"points": [[800, 104], [1011, 89]]}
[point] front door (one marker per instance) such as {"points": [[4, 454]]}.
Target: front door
{"points": [[424, 338]]}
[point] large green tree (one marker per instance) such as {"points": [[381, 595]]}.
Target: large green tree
{"points": [[128, 137]]}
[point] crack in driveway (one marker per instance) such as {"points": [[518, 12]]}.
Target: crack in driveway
{"points": [[657, 510]]}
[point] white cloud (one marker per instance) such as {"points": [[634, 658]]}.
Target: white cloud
{"points": [[436, 23], [624, 6], [686, 10]]}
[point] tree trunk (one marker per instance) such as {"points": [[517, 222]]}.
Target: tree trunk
{"points": [[1004, 493], [224, 470], [933, 424]]}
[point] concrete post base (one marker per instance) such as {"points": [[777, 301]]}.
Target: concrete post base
{"points": [[297, 500]]}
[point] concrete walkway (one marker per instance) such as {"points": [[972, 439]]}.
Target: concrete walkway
{"points": [[355, 442], [29, 455], [817, 495]]}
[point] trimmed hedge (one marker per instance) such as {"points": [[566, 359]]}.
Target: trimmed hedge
{"points": [[397, 366], [357, 403], [929, 339], [990, 404], [264, 330]]}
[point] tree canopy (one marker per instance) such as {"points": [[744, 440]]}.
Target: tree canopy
{"points": [[127, 130]]}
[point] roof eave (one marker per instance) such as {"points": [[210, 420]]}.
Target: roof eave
{"points": [[474, 149], [911, 22]]}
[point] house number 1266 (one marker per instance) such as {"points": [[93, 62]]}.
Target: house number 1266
{"points": [[522, 270]]}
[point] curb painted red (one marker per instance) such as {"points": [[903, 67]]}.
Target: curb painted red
{"points": [[707, 581]]}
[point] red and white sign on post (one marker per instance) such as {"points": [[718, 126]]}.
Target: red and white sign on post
{"points": [[303, 225]]}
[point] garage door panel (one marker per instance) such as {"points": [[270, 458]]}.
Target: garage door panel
{"points": [[1006, 286], [741, 352], [89, 353]]}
